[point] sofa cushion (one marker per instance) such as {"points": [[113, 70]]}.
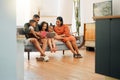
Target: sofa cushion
{"points": [[59, 44]]}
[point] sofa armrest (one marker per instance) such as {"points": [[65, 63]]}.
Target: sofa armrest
{"points": [[20, 31], [80, 39], [77, 37]]}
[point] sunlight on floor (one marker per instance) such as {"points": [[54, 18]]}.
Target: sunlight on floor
{"points": [[62, 67]]}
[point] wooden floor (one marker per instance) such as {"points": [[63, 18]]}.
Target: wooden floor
{"points": [[62, 67]]}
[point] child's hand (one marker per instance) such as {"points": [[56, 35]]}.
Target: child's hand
{"points": [[38, 37], [43, 37], [37, 33]]}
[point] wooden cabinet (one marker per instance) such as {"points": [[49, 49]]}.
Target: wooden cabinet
{"points": [[108, 46], [115, 47], [102, 47], [89, 31]]}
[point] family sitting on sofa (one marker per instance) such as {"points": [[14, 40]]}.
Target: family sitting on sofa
{"points": [[44, 34]]}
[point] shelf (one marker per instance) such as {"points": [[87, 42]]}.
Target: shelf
{"points": [[106, 17]]}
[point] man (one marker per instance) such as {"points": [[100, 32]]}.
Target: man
{"points": [[34, 41]]}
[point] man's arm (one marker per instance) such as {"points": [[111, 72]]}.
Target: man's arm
{"points": [[26, 28], [34, 33]]}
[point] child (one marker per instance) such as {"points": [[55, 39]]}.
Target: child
{"points": [[42, 34], [31, 28], [51, 41], [43, 30]]}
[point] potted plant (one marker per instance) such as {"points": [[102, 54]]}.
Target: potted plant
{"points": [[77, 15]]}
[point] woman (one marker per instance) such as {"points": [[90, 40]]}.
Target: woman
{"points": [[64, 32]]}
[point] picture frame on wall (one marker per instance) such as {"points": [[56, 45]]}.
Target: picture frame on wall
{"points": [[102, 8]]}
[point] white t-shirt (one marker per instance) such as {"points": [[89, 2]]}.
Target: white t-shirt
{"points": [[31, 28]]}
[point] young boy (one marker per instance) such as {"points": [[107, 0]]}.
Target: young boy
{"points": [[31, 28]]}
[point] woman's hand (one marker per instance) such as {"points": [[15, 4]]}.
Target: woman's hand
{"points": [[63, 35], [58, 37]]}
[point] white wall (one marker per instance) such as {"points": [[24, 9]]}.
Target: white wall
{"points": [[34, 7], [8, 40], [56, 8], [116, 7], [47, 8], [66, 10], [22, 11]]}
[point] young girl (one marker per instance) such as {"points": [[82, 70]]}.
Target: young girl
{"points": [[44, 30], [51, 41], [42, 34]]}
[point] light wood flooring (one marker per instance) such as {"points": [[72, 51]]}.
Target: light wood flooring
{"points": [[62, 67]]}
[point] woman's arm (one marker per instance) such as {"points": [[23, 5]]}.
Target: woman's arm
{"points": [[66, 31], [58, 37], [62, 35]]}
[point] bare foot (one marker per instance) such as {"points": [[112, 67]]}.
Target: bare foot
{"points": [[55, 49], [52, 50]]}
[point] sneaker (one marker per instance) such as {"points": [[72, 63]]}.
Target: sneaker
{"points": [[46, 58], [75, 55], [79, 56], [40, 58]]}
